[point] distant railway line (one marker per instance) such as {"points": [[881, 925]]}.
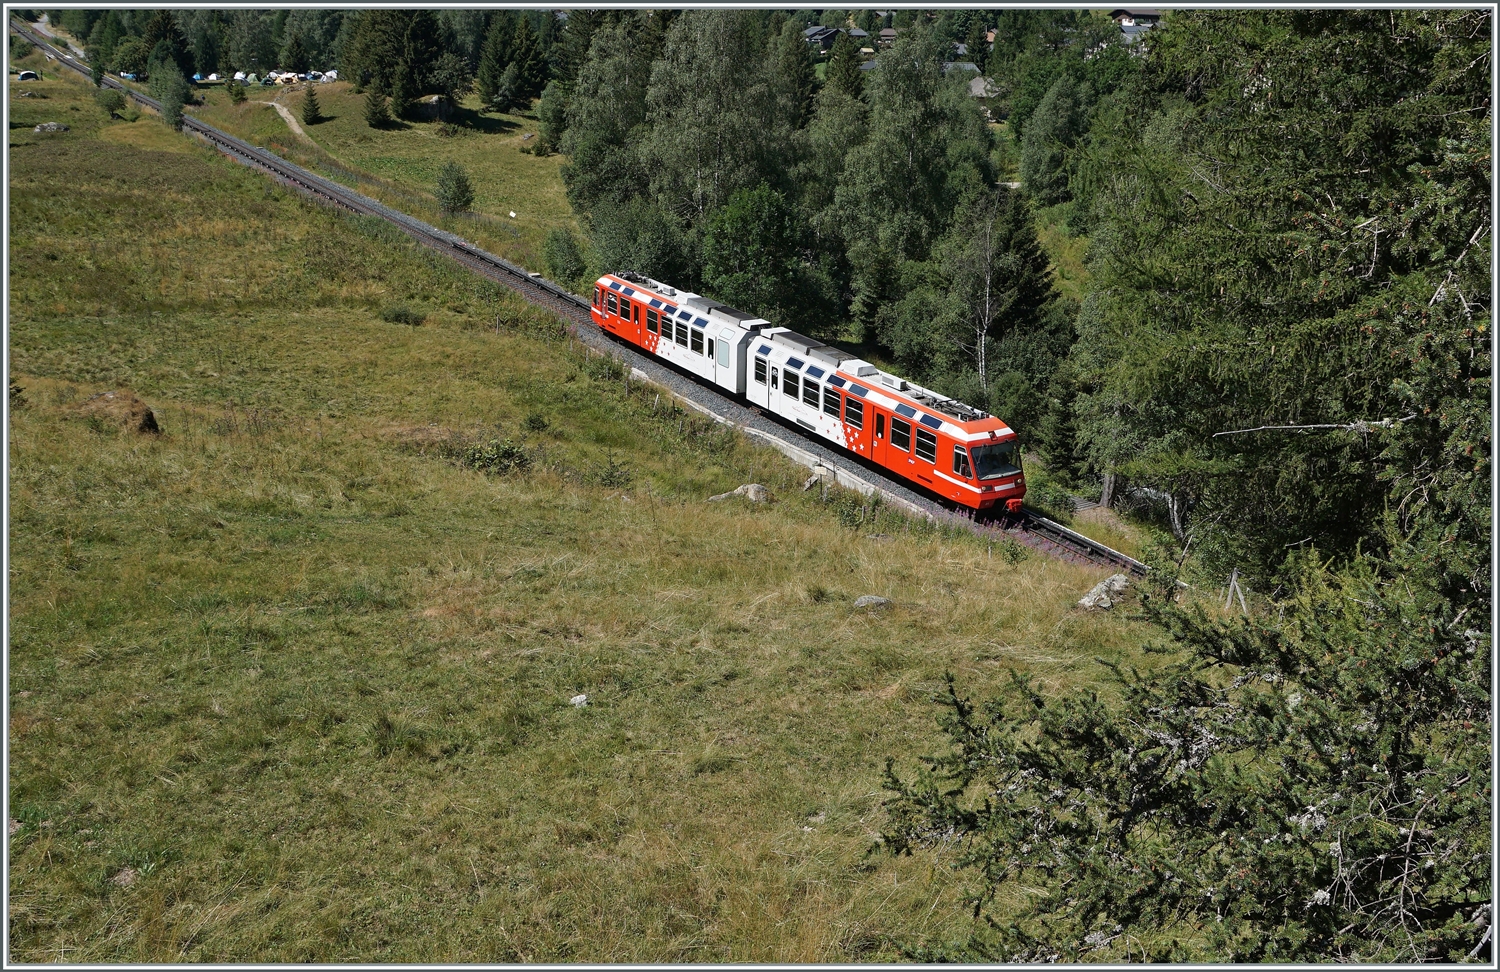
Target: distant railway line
{"points": [[1028, 528]]}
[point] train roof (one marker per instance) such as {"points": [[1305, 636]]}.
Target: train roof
{"points": [[907, 398]]}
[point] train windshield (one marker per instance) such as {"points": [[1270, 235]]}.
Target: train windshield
{"points": [[994, 461]]}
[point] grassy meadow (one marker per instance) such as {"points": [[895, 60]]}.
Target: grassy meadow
{"points": [[291, 680], [399, 164]]}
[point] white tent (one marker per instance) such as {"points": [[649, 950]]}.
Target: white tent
{"points": [[239, 75]]}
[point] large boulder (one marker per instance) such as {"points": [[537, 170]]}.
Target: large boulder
{"points": [[123, 409], [1105, 594], [51, 127]]}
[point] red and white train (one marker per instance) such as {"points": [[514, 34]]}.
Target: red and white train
{"points": [[940, 445]]}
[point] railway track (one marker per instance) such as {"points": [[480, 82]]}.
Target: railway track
{"points": [[1029, 528]]}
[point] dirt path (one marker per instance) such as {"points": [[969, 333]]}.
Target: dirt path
{"points": [[290, 120]]}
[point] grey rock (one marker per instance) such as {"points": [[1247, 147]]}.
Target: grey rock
{"points": [[873, 602], [1105, 593], [579, 701], [51, 127], [754, 492]]}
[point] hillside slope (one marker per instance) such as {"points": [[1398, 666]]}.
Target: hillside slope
{"points": [[291, 680]]}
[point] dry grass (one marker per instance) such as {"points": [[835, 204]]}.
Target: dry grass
{"points": [[289, 684]]}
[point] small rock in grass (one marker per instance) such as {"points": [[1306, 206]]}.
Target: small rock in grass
{"points": [[754, 492], [579, 701], [1100, 599], [126, 877], [15, 825], [51, 127], [123, 409], [873, 602]]}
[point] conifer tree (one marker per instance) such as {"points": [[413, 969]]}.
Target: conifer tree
{"points": [[377, 115], [843, 67], [403, 90], [494, 57], [794, 76], [312, 112], [530, 60]]}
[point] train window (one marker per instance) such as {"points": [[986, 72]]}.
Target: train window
{"points": [[651, 322], [637, 312], [726, 338], [900, 434], [854, 413], [927, 445], [614, 308], [681, 337], [774, 373], [961, 461], [598, 296], [790, 386], [809, 392], [760, 370], [830, 401], [879, 426], [697, 342]]}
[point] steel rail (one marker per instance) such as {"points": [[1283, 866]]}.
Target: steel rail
{"points": [[1029, 528]]}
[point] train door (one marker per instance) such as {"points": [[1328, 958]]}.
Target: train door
{"points": [[726, 355]]}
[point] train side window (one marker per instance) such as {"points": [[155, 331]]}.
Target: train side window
{"points": [[651, 322], [697, 341], [613, 307], [879, 425], [927, 446], [760, 370], [774, 374], [830, 401], [726, 338], [598, 296], [961, 461], [681, 336], [789, 386], [901, 434], [854, 412], [809, 392], [637, 312]]}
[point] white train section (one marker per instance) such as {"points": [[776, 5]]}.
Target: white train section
{"points": [[941, 445]]}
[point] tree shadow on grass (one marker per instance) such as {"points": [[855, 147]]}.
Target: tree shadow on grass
{"points": [[479, 122]]}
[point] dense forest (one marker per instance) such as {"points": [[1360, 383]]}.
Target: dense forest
{"points": [[1281, 351]]}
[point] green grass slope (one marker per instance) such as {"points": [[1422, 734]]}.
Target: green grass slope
{"points": [[290, 681], [399, 164]]}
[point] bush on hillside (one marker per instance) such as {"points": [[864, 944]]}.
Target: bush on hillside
{"points": [[402, 314], [455, 193], [564, 257]]}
